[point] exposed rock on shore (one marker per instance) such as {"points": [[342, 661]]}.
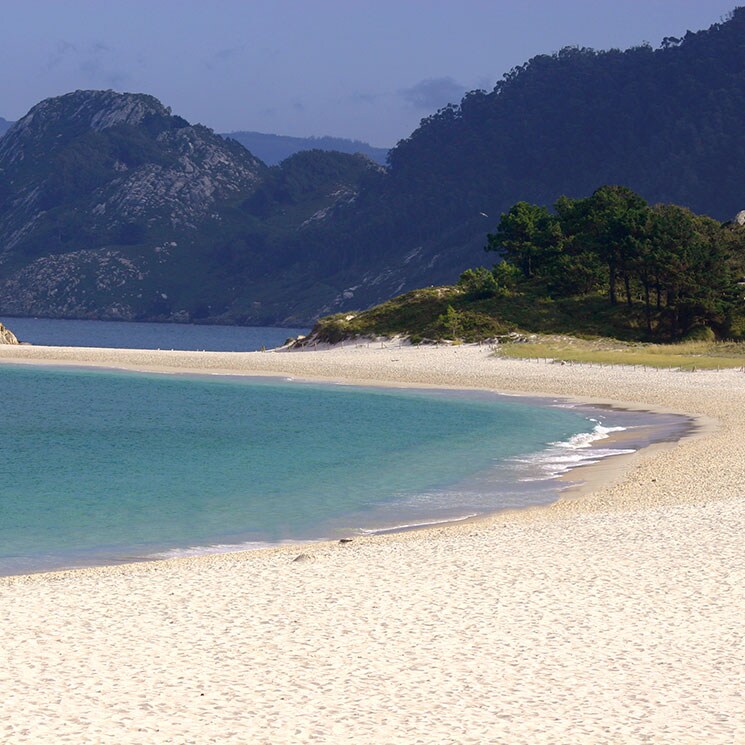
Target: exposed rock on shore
{"points": [[7, 336]]}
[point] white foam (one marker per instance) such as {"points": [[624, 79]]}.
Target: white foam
{"points": [[578, 450], [405, 526], [585, 439], [558, 459], [219, 548]]}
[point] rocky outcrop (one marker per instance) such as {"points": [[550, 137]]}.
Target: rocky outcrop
{"points": [[204, 170], [54, 124], [100, 191], [72, 285], [7, 336]]}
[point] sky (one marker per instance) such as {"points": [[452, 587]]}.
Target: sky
{"points": [[363, 69]]}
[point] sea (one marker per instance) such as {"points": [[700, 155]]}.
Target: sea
{"points": [[135, 335], [102, 467]]}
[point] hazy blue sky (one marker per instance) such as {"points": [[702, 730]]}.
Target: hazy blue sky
{"points": [[368, 69]]}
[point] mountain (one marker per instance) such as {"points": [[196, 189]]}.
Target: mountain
{"points": [[5, 125], [112, 207], [273, 149]]}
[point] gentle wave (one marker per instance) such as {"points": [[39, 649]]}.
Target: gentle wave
{"points": [[585, 439], [578, 450], [409, 526], [227, 548], [218, 548]]}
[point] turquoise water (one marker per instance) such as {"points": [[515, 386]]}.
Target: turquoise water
{"points": [[105, 466]]}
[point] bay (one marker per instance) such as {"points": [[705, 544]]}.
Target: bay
{"points": [[108, 466]]}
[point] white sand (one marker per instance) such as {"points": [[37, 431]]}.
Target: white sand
{"points": [[615, 617]]}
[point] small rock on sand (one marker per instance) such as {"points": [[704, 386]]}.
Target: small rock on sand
{"points": [[302, 559]]}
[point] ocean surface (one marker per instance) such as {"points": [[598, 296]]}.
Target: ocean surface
{"points": [[130, 335], [102, 467]]}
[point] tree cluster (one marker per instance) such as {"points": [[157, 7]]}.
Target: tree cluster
{"points": [[684, 270]]}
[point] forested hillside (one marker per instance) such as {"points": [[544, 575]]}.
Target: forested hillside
{"points": [[666, 122]]}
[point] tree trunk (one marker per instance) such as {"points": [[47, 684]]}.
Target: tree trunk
{"points": [[647, 306], [672, 303], [612, 285], [627, 286]]}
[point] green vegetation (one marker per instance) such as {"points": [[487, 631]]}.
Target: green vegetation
{"points": [[418, 314], [665, 122], [681, 269], [605, 266], [116, 221], [434, 313], [684, 355]]}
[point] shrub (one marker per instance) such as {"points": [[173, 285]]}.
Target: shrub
{"points": [[466, 326], [506, 275], [478, 283], [449, 324], [699, 332]]}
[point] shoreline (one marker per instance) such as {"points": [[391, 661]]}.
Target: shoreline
{"points": [[577, 481], [614, 616]]}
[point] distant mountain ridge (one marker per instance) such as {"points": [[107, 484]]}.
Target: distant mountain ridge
{"points": [[273, 149]]}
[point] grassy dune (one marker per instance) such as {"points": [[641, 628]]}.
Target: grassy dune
{"points": [[698, 355]]}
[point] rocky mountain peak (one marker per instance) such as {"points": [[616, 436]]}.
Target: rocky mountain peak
{"points": [[121, 159], [96, 109], [52, 123]]}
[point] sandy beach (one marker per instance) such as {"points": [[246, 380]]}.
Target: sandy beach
{"points": [[612, 616]]}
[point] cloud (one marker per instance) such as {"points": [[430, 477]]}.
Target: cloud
{"points": [[62, 50], [94, 62], [222, 57], [96, 70], [362, 97], [433, 93], [98, 64], [227, 53]]}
